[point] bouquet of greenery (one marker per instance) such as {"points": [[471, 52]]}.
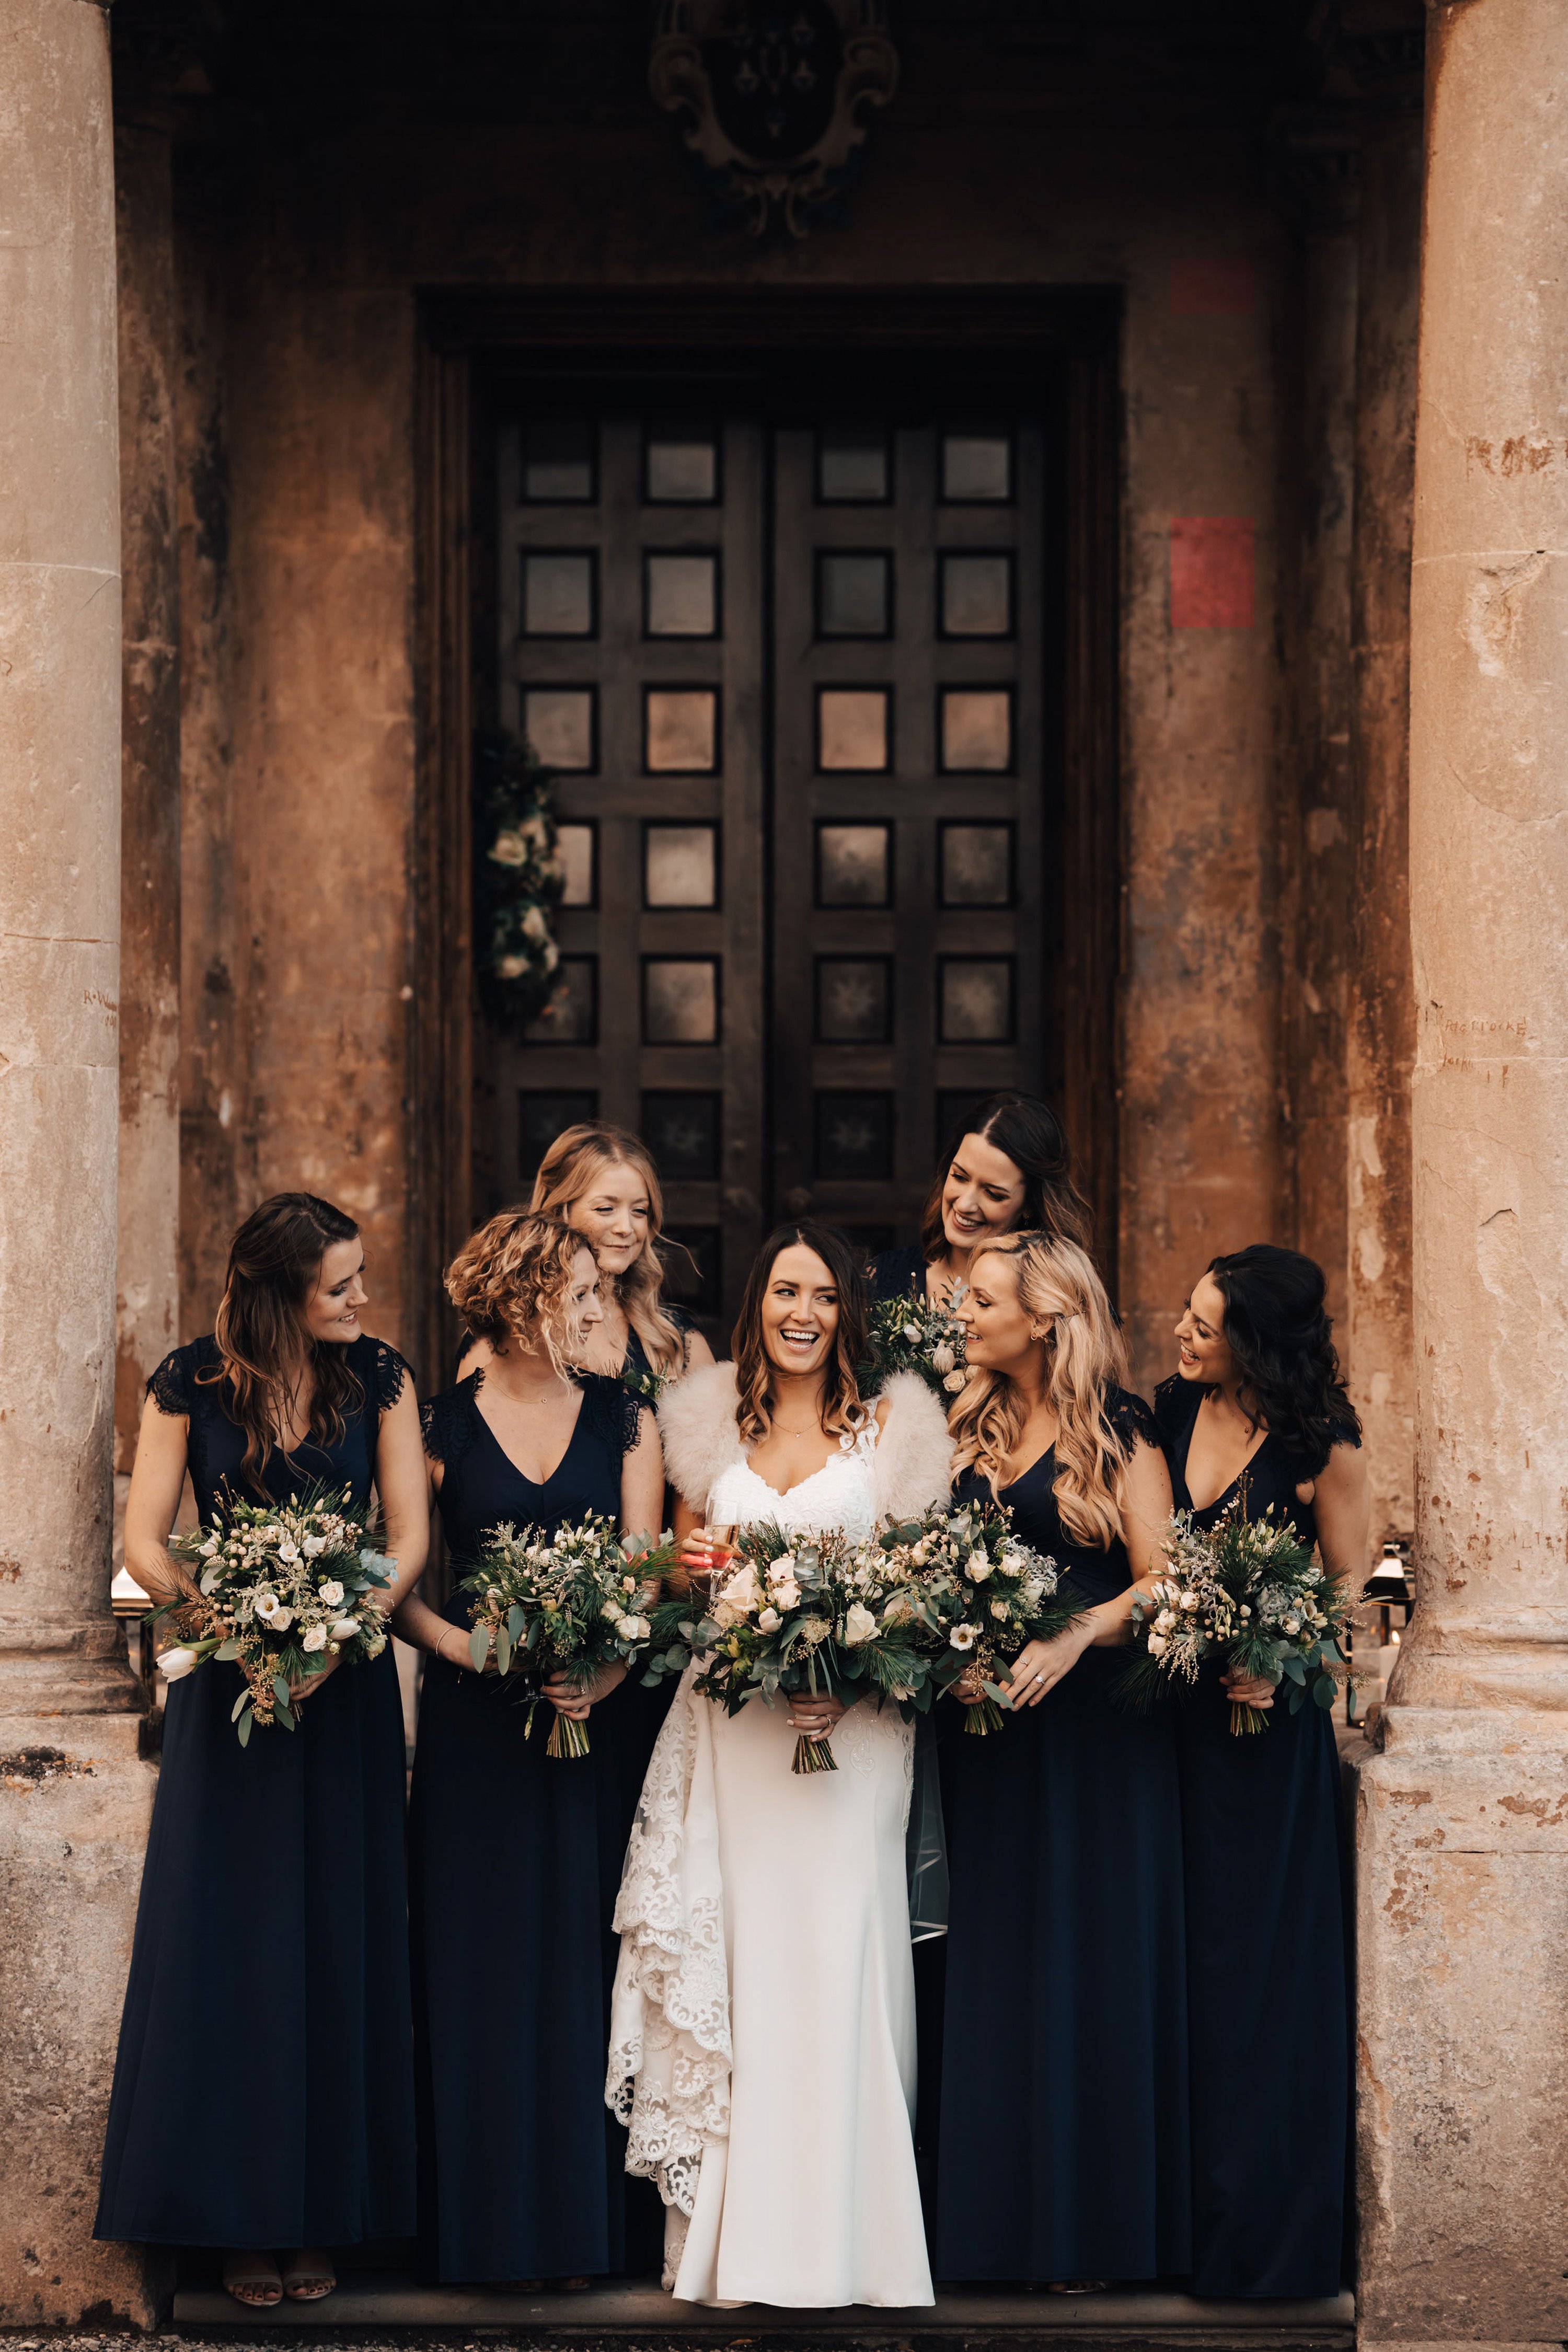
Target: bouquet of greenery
{"points": [[570, 1603], [910, 1335], [980, 1594], [286, 1588], [1249, 1592]]}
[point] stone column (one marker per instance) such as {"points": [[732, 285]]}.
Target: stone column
{"points": [[147, 1298], [1462, 1864], [73, 1796], [1381, 1027]]}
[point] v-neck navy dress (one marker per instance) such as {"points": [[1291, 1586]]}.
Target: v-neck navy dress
{"points": [[264, 2090], [514, 1866], [1063, 2134], [1267, 1984]]}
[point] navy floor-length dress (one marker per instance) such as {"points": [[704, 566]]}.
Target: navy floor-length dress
{"points": [[264, 2088], [1064, 2131], [514, 1864], [1267, 1983]]}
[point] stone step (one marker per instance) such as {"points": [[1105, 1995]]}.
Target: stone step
{"points": [[369, 2303]]}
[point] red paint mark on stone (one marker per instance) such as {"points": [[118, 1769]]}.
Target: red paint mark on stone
{"points": [[1213, 289], [1211, 571]]}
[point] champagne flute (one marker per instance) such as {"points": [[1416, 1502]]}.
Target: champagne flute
{"points": [[717, 1535]]}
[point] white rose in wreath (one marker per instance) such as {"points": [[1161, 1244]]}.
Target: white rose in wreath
{"points": [[512, 967], [509, 848], [534, 926]]}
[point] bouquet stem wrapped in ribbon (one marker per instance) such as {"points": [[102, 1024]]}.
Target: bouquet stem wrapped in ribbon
{"points": [[570, 1603], [286, 1588], [1250, 1593]]}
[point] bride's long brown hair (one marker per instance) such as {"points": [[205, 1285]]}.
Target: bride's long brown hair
{"points": [[1058, 1288], [274, 1261], [843, 1413]]}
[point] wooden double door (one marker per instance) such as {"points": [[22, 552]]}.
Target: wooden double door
{"points": [[797, 667]]}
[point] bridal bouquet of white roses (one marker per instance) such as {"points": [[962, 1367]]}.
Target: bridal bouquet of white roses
{"points": [[572, 1603], [1248, 1593], [794, 1614], [911, 1334], [286, 1588], [979, 1594]]}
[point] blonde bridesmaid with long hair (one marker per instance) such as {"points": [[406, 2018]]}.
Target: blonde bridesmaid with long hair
{"points": [[602, 1182], [1069, 2168]]}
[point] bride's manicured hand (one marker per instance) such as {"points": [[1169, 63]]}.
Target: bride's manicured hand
{"points": [[575, 1699], [1040, 1665], [1249, 1690], [814, 1715]]}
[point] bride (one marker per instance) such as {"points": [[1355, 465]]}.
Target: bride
{"points": [[763, 2050]]}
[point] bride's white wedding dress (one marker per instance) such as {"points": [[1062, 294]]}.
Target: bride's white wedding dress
{"points": [[763, 2030]]}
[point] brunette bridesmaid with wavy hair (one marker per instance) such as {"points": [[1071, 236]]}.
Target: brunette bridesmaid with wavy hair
{"points": [[1006, 1169], [514, 1856], [263, 2097]]}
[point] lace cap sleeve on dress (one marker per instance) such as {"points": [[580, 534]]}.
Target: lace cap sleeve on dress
{"points": [[391, 1370], [172, 1386], [1130, 1418], [614, 1413], [447, 1421]]}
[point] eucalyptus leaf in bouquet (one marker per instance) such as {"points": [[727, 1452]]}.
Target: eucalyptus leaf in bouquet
{"points": [[1247, 1594], [285, 1590], [980, 1595], [571, 1602]]}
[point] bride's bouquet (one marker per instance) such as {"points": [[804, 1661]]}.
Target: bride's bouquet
{"points": [[796, 1613], [1248, 1593], [286, 1588], [979, 1594], [911, 1334], [573, 1604]]}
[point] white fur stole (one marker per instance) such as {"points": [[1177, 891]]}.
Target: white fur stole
{"points": [[912, 1465]]}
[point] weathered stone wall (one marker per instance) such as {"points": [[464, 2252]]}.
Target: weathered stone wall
{"points": [[71, 1838]]}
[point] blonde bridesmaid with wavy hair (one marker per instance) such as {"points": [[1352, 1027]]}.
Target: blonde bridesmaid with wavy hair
{"points": [[1069, 2166], [602, 1181]]}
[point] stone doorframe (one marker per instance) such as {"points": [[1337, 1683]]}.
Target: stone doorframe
{"points": [[466, 340]]}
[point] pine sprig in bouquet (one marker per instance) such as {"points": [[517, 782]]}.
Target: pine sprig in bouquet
{"points": [[1249, 1592], [285, 1589], [570, 1603], [980, 1595], [911, 1334]]}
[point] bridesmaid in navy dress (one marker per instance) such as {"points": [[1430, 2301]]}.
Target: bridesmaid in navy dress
{"points": [[515, 1857], [1007, 1169], [1063, 2156], [1258, 1418], [263, 2096]]}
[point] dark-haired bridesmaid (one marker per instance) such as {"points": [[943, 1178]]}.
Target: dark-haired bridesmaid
{"points": [[1007, 1169], [1257, 1419], [515, 1856], [263, 2097]]}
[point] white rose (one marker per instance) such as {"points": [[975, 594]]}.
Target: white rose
{"points": [[1292, 1624], [979, 1567], [314, 1547], [280, 1620], [1164, 1621], [265, 1606], [1158, 1645], [1189, 1600], [512, 967], [954, 1382], [999, 1608], [509, 849], [173, 1663], [943, 1357], [770, 1620], [787, 1594], [534, 927], [636, 1629], [963, 1637], [1014, 1564], [860, 1625], [315, 1639], [782, 1571], [345, 1629], [331, 1592]]}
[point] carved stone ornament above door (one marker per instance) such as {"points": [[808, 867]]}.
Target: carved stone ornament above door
{"points": [[774, 96]]}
